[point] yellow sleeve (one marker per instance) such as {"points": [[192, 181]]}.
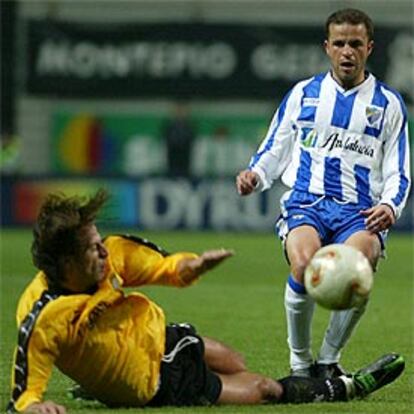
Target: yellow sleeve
{"points": [[37, 350], [139, 262]]}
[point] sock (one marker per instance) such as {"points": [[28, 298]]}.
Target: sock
{"points": [[340, 328], [306, 390], [349, 386], [299, 308]]}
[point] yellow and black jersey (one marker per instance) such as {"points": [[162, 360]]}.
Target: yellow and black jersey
{"points": [[109, 342]]}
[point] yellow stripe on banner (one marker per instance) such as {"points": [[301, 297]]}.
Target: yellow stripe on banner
{"points": [[73, 147]]}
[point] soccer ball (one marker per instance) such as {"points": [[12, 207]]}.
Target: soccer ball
{"points": [[339, 277]]}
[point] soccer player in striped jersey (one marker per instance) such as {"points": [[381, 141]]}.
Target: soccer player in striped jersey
{"points": [[339, 140], [117, 346]]}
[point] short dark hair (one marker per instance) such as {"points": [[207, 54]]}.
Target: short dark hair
{"points": [[57, 231], [351, 16]]}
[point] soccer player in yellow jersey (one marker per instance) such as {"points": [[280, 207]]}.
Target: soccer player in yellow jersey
{"points": [[117, 347]]}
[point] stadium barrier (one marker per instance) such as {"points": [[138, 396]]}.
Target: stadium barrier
{"points": [[158, 203]]}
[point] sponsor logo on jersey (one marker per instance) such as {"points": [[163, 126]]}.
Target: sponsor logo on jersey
{"points": [[96, 312], [308, 137], [310, 101], [348, 143]]}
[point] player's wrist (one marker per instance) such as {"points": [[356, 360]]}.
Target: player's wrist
{"points": [[391, 207]]}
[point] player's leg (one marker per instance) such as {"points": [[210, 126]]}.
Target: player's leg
{"points": [[368, 243], [301, 244], [367, 380], [221, 359], [301, 229], [248, 388], [343, 323]]}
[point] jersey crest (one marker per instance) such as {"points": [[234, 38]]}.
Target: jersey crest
{"points": [[374, 115]]}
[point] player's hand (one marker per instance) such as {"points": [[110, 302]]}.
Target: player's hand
{"points": [[211, 258], [46, 407], [378, 218], [190, 268], [246, 182]]}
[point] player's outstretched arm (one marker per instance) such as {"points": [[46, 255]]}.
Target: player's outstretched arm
{"points": [[206, 261], [246, 182], [46, 407]]}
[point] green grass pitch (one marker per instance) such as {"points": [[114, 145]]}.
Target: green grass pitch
{"points": [[241, 303]]}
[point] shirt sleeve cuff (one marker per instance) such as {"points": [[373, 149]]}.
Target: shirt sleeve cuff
{"points": [[262, 183]]}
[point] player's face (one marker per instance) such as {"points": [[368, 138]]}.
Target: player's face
{"points": [[348, 47], [88, 268], [95, 255]]}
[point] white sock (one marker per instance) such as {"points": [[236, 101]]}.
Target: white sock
{"points": [[349, 386], [299, 312], [340, 328]]}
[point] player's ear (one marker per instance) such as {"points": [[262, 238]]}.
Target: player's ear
{"points": [[326, 46], [370, 47]]}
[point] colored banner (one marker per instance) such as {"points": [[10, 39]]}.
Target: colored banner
{"points": [[21, 199], [159, 203], [193, 60], [134, 145], [112, 144]]}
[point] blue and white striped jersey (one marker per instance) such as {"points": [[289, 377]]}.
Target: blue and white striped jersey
{"points": [[348, 144]]}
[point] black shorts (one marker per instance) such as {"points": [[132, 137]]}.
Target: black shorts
{"points": [[185, 378]]}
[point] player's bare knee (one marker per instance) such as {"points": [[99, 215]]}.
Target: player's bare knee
{"points": [[235, 361], [298, 268], [239, 361], [299, 260]]}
